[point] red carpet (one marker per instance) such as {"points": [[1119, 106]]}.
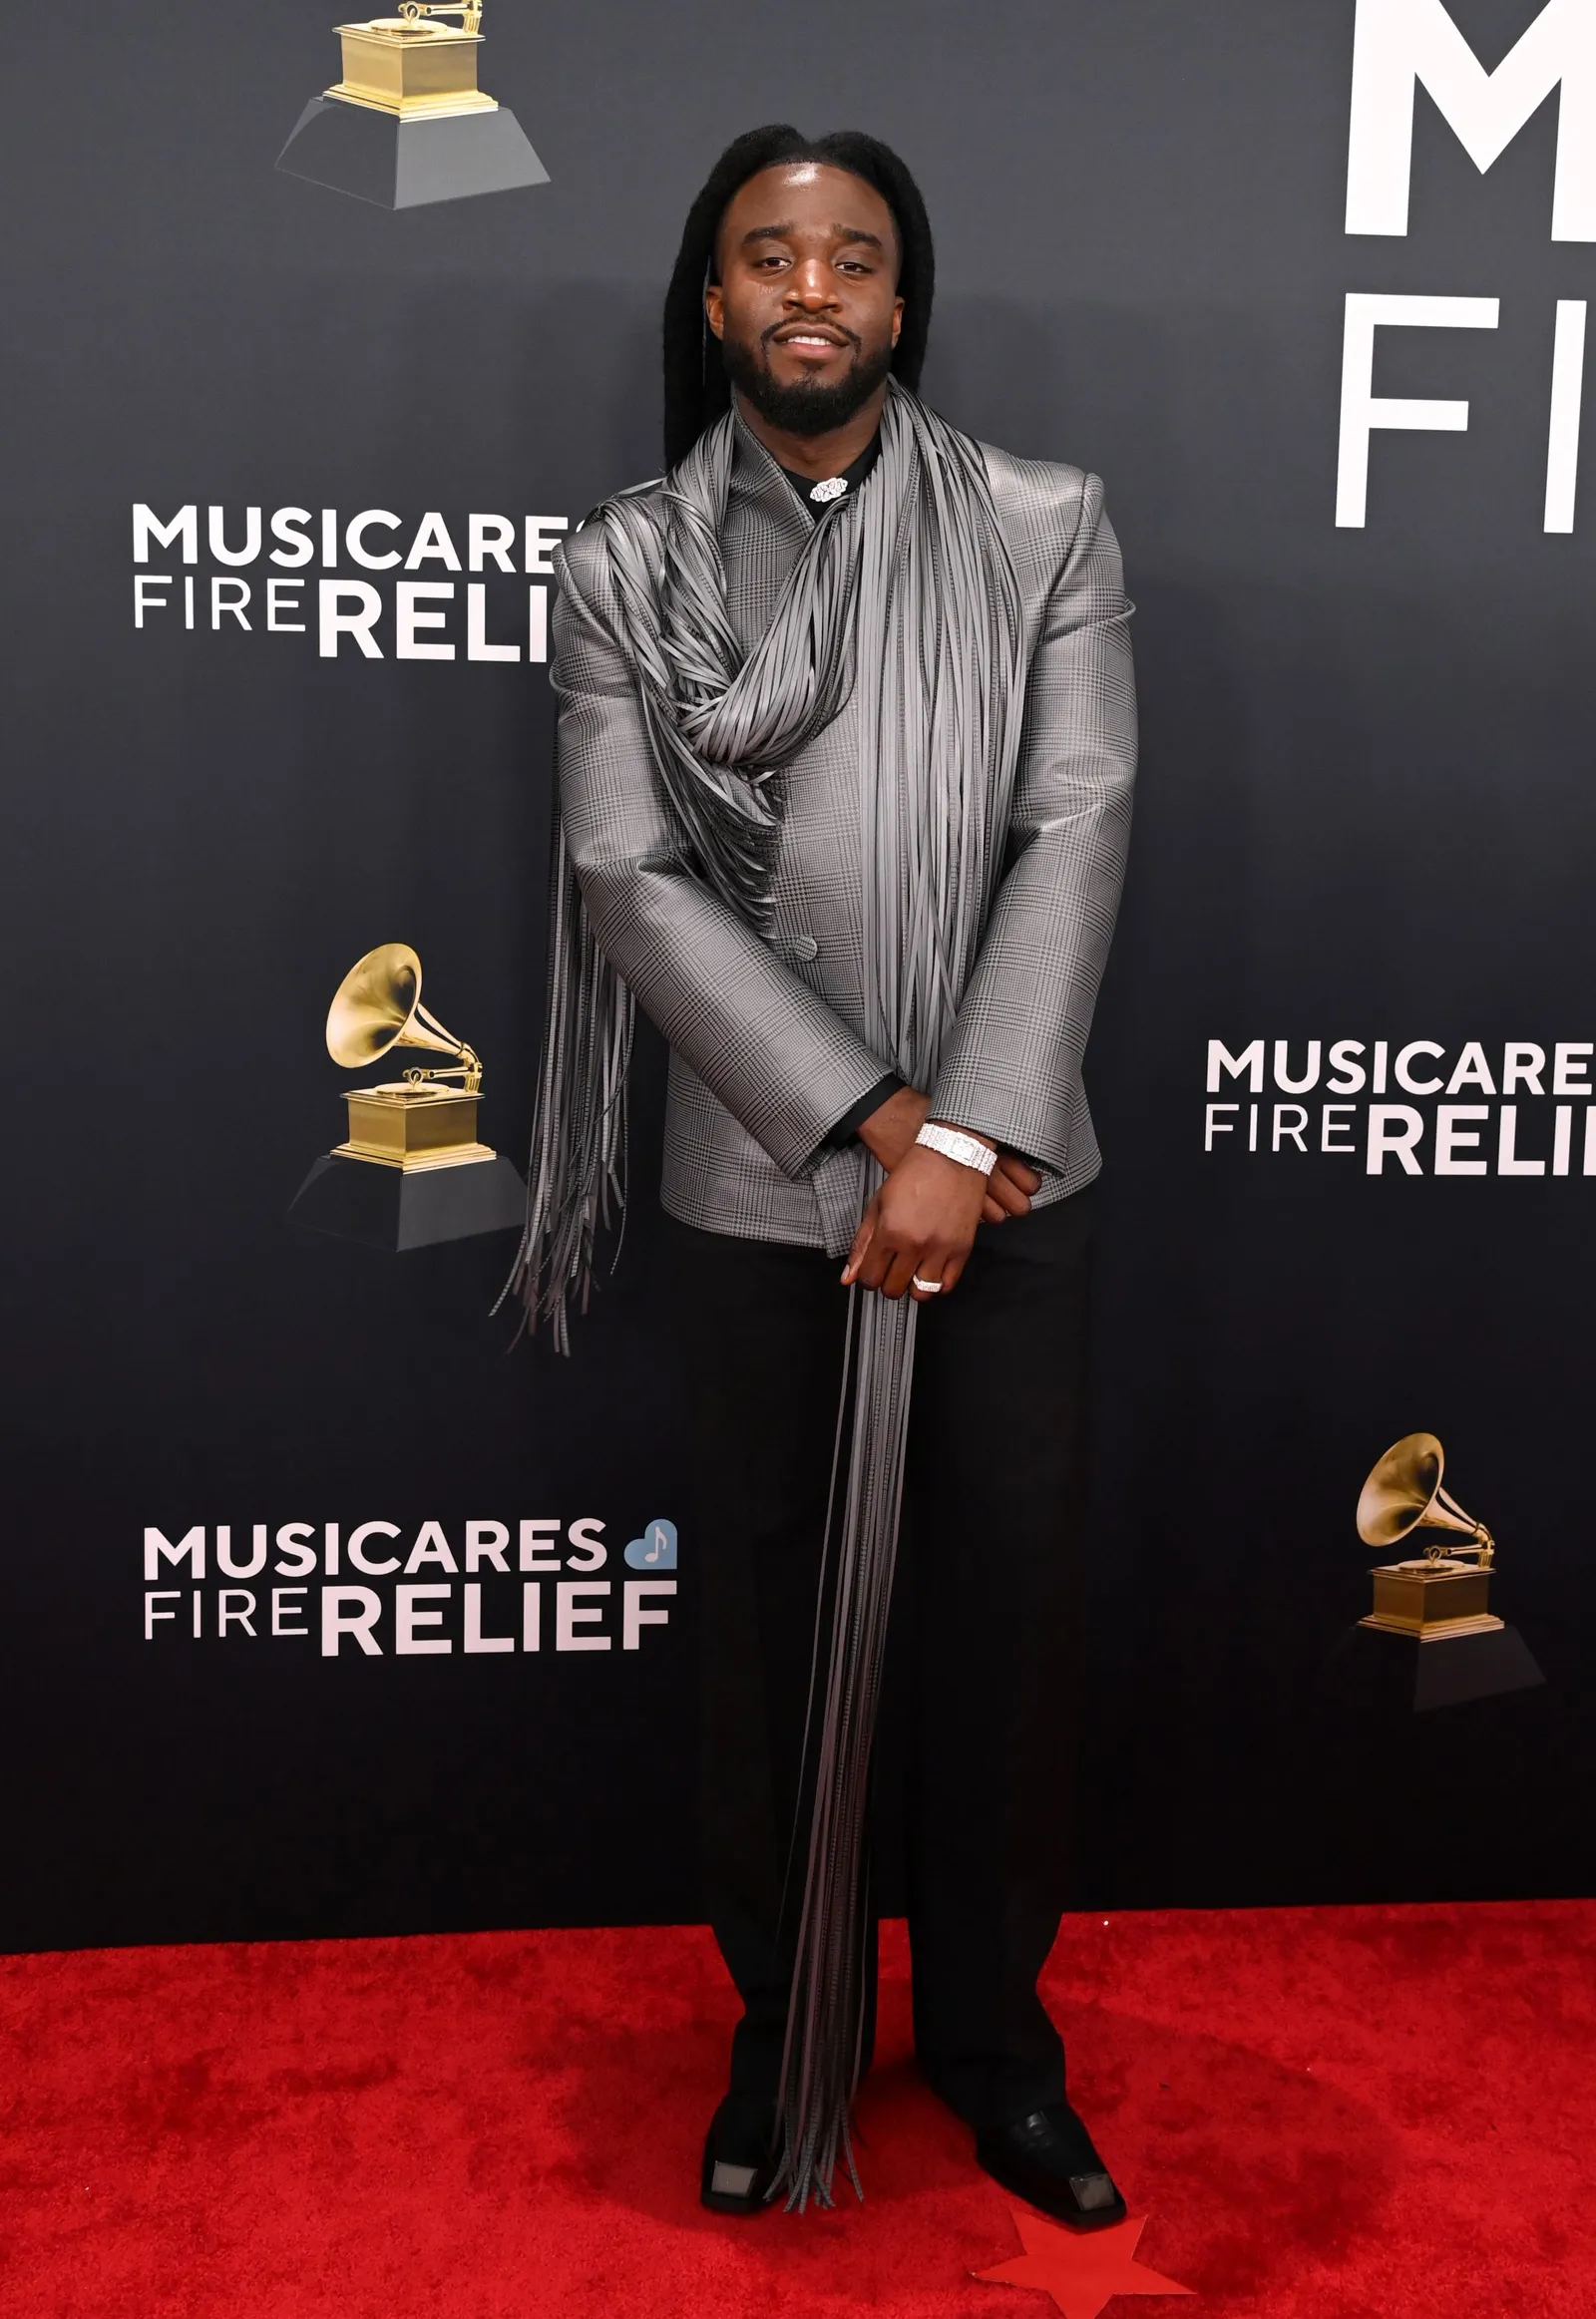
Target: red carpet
{"points": [[1327, 2114]]}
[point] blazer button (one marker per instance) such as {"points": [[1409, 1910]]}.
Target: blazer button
{"points": [[802, 945]]}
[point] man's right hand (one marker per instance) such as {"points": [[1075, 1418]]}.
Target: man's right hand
{"points": [[890, 1132]]}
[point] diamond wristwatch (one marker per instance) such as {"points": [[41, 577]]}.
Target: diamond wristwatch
{"points": [[954, 1144]]}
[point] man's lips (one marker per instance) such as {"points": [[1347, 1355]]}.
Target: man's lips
{"points": [[809, 340]]}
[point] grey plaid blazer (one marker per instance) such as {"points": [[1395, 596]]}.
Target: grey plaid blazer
{"points": [[766, 1046]]}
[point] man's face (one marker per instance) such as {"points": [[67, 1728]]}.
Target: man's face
{"points": [[807, 308]]}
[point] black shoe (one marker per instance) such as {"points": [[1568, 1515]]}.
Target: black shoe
{"points": [[739, 2164], [1048, 2160]]}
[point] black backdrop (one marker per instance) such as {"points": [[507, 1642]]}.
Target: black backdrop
{"points": [[1365, 815]]}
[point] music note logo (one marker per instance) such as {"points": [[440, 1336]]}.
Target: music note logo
{"points": [[655, 1549]]}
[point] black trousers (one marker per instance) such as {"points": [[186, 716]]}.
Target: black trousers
{"points": [[981, 1678]]}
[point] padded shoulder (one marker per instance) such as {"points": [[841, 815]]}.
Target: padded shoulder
{"points": [[1040, 504]]}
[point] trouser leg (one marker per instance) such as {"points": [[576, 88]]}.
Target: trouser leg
{"points": [[763, 1330], [987, 1617]]}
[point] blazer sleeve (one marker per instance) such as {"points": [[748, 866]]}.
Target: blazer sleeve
{"points": [[774, 1053], [1010, 1068]]}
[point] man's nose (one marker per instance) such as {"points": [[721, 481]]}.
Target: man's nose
{"points": [[811, 285]]}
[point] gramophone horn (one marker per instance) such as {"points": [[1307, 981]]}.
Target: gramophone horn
{"points": [[1404, 1493], [378, 1005]]}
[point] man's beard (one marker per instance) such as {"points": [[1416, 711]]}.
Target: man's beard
{"points": [[807, 407]]}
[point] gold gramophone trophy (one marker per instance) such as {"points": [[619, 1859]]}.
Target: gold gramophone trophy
{"points": [[405, 124], [1442, 1594], [421, 1120], [412, 1171], [413, 66]]}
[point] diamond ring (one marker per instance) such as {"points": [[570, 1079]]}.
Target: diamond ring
{"points": [[928, 1287]]}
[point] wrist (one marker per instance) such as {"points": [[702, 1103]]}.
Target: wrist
{"points": [[964, 1145]]}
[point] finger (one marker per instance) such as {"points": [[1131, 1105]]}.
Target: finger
{"points": [[991, 1213], [1018, 1172], [901, 1272], [861, 1242], [1007, 1194], [949, 1269], [878, 1261]]}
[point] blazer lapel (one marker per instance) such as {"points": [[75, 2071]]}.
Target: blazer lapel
{"points": [[766, 532]]}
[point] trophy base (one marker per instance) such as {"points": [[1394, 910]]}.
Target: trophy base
{"points": [[399, 1209], [374, 155], [1402, 1671], [1433, 1600]]}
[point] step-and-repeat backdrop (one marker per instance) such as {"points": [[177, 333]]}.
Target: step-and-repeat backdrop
{"points": [[325, 1606]]}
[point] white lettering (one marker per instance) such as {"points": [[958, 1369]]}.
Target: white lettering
{"points": [[278, 595], [1401, 42], [542, 534], [1283, 1079], [1472, 1071], [355, 1546], [1352, 1075], [1522, 1065], [336, 622], [433, 545], [1508, 1162], [297, 545], [258, 1552], [408, 620], [216, 530], [1405, 1077], [1451, 1138], [407, 1618], [143, 602], [158, 1548], [1362, 410], [1568, 1076], [486, 1542], [350, 1610], [1394, 1129], [477, 645], [537, 1545], [185, 525], [1250, 1060], [568, 1617], [431, 1546], [633, 1618], [354, 539], [223, 603], [1562, 426], [475, 1639], [285, 1602], [225, 1617], [172, 1593], [490, 538], [585, 1533]]}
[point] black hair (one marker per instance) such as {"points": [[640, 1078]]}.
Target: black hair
{"points": [[697, 390]]}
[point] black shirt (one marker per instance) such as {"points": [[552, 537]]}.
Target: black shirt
{"points": [[852, 477]]}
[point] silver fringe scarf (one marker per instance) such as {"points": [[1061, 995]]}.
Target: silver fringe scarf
{"points": [[905, 598]]}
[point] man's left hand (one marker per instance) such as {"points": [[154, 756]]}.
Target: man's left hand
{"points": [[920, 1225]]}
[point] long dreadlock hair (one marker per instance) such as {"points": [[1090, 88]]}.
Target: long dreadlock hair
{"points": [[697, 390]]}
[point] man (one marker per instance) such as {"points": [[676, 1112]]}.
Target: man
{"points": [[846, 749]]}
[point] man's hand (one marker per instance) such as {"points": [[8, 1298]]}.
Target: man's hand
{"points": [[921, 1225], [890, 1133]]}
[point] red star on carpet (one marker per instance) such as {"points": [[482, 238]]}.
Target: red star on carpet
{"points": [[1080, 2269]]}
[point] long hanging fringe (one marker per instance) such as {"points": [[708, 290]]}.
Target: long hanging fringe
{"points": [[910, 592], [577, 1178], [823, 2050]]}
